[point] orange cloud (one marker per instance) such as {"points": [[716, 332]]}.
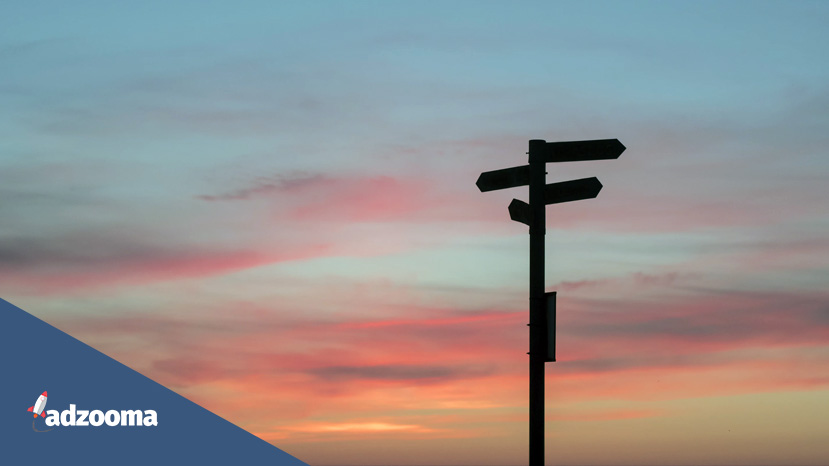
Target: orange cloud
{"points": [[359, 427]]}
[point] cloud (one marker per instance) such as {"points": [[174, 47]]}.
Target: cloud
{"points": [[359, 427], [643, 282], [453, 318], [596, 339], [581, 284], [406, 374], [665, 279], [302, 198], [185, 371], [254, 361], [98, 260], [368, 199], [605, 415], [272, 185], [712, 319]]}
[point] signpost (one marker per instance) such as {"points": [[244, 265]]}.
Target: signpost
{"points": [[575, 190], [578, 151], [520, 212], [505, 178], [542, 305]]}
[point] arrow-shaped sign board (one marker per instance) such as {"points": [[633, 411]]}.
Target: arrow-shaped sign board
{"points": [[520, 212], [574, 190], [503, 179], [555, 193], [576, 151]]}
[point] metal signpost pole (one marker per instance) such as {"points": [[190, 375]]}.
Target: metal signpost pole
{"points": [[538, 312], [543, 305]]}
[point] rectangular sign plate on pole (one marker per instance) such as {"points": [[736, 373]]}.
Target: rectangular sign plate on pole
{"points": [[550, 298]]}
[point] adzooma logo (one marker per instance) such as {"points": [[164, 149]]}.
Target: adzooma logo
{"points": [[83, 417]]}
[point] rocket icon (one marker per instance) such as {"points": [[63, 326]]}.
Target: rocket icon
{"points": [[39, 405]]}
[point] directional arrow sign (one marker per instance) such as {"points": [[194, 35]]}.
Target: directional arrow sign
{"points": [[566, 191], [576, 151], [505, 178], [520, 212]]}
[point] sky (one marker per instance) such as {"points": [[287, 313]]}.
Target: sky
{"points": [[270, 208]]}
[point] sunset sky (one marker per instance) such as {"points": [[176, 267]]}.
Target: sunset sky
{"points": [[270, 207]]}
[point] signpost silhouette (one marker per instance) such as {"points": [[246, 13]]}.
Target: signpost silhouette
{"points": [[542, 305]]}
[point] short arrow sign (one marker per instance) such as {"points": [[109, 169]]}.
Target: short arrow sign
{"points": [[503, 179], [520, 212], [576, 151], [566, 191]]}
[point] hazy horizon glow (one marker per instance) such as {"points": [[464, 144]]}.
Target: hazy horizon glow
{"points": [[271, 209]]}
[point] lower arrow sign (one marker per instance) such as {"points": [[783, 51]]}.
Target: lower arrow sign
{"points": [[520, 212], [575, 190]]}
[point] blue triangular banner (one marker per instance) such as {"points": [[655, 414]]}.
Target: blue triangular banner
{"points": [[38, 358]]}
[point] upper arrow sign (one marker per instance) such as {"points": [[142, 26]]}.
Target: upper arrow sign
{"points": [[576, 151], [575, 190], [504, 178]]}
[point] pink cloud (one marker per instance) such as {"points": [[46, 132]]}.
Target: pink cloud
{"points": [[271, 363], [302, 198], [363, 200], [700, 333]]}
